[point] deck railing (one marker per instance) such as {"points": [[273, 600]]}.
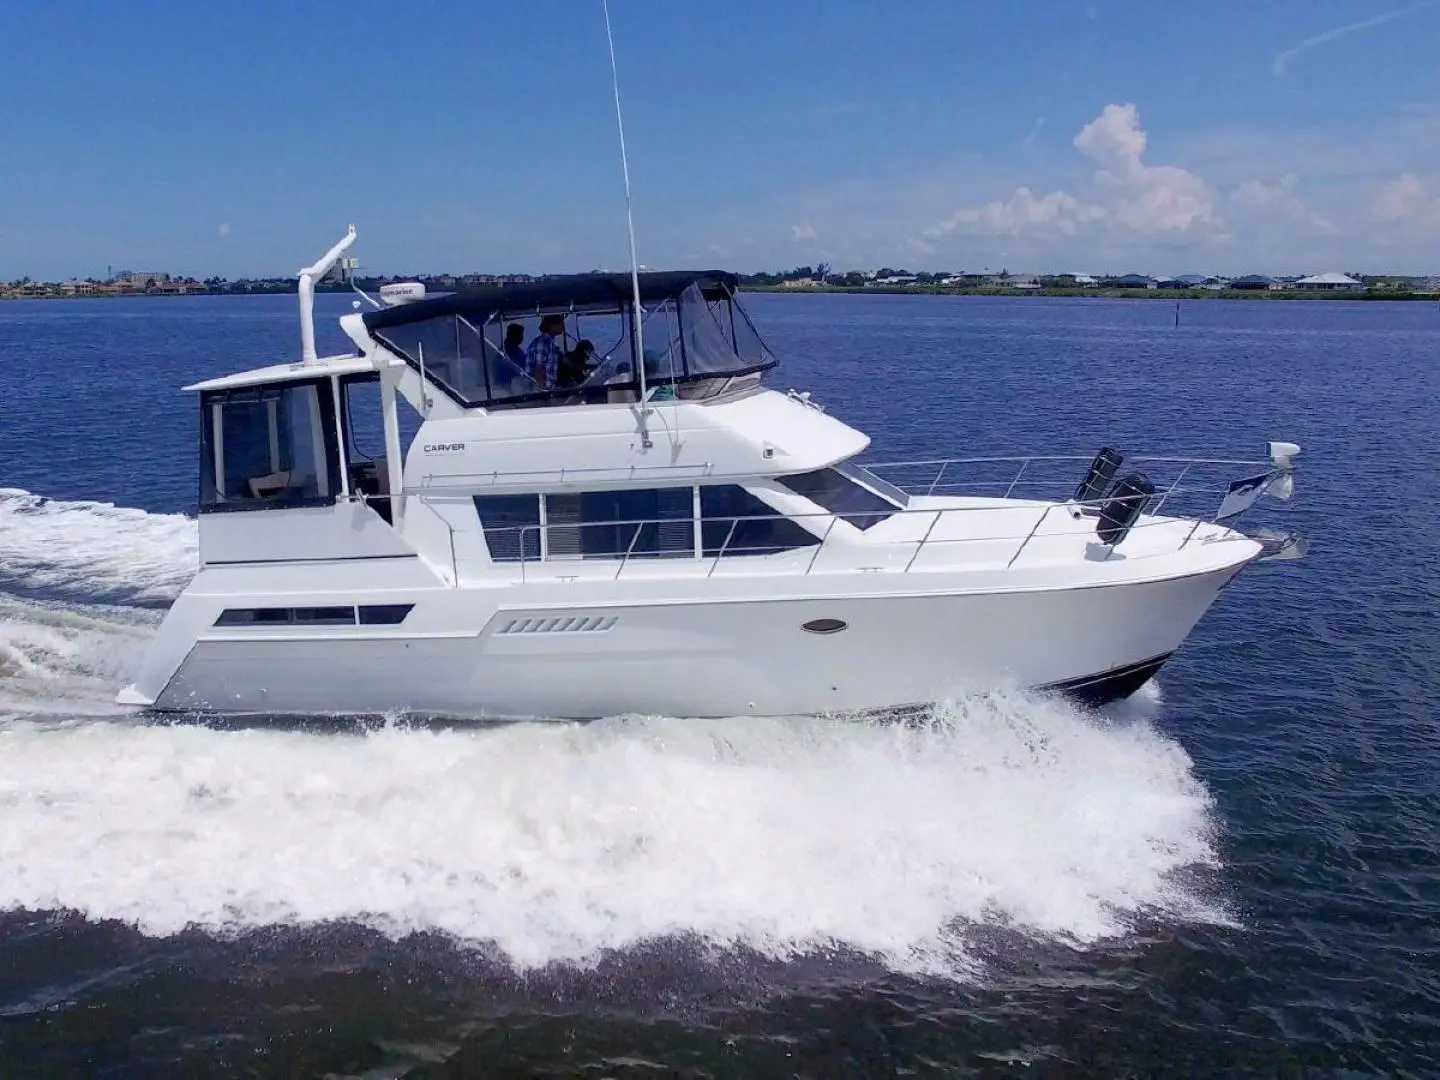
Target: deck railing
{"points": [[1188, 493]]}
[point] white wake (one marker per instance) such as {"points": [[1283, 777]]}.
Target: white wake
{"points": [[557, 842], [71, 577], [93, 549]]}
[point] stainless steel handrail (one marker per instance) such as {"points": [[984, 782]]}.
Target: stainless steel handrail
{"points": [[1187, 483], [707, 469], [727, 548]]}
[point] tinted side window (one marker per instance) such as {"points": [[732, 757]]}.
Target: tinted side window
{"points": [[511, 524], [607, 524], [734, 519], [841, 496]]}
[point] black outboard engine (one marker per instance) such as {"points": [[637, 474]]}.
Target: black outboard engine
{"points": [[1124, 505], [1102, 470]]}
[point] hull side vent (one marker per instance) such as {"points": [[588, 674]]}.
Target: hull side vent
{"points": [[561, 624]]}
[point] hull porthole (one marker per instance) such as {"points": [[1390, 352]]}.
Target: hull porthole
{"points": [[824, 626]]}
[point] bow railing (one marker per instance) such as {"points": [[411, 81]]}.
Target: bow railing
{"points": [[1012, 506]]}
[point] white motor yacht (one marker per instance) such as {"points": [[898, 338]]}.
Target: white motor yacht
{"points": [[440, 522]]}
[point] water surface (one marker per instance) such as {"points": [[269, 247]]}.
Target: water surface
{"points": [[1237, 871]]}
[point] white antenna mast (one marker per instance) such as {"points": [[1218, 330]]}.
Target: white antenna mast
{"points": [[630, 221], [308, 277]]}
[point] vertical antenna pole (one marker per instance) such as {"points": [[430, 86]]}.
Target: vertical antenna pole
{"points": [[630, 222], [308, 277]]}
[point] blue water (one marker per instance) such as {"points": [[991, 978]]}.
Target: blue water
{"points": [[1239, 871]]}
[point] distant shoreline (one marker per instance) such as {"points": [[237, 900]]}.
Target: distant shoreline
{"points": [[1107, 294], [885, 290]]}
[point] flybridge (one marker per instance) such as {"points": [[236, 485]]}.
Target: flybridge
{"points": [[692, 340]]}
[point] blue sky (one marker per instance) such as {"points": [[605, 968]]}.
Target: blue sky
{"points": [[1093, 136]]}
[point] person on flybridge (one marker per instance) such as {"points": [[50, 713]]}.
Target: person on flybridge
{"points": [[542, 358], [515, 345]]}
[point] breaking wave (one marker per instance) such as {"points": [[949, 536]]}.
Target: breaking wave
{"points": [[558, 842], [94, 551], [79, 584]]}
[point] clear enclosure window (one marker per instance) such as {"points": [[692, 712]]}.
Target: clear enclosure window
{"points": [[703, 344], [269, 446]]}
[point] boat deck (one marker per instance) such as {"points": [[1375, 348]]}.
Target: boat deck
{"points": [[936, 534]]}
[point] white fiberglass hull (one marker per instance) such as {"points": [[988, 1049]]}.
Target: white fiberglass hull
{"points": [[717, 656]]}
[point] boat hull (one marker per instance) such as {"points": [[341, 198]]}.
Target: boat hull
{"points": [[700, 657]]}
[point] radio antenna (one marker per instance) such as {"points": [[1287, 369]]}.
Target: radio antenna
{"points": [[630, 222]]}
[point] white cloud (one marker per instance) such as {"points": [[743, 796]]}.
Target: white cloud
{"points": [[1146, 198], [803, 234], [1114, 137], [1280, 66], [1023, 212], [1131, 195], [1271, 202], [1406, 201], [224, 230]]}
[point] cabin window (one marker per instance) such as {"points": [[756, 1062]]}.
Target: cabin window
{"points": [[645, 523], [512, 526], [735, 521], [838, 494], [265, 447], [305, 616], [650, 523], [384, 614]]}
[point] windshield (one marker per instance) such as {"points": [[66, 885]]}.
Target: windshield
{"points": [[839, 494]]}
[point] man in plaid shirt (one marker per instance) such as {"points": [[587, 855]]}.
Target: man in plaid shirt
{"points": [[542, 358]]}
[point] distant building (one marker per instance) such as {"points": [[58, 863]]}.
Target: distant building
{"points": [[140, 279], [1132, 281], [1007, 280], [1254, 282], [1329, 281], [77, 287]]}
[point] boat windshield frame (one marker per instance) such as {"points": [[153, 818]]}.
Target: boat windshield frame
{"points": [[698, 339]]}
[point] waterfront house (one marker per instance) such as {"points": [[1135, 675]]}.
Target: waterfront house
{"points": [[1329, 282], [1131, 281], [1255, 282], [967, 278]]}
